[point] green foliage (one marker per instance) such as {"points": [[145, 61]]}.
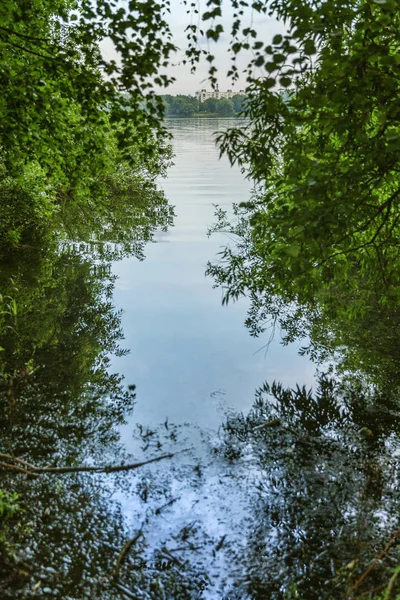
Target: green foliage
{"points": [[60, 404], [55, 98], [225, 107], [9, 506], [10, 512], [27, 203], [239, 102], [318, 242], [181, 106], [322, 480], [70, 118], [209, 105], [317, 252], [187, 106], [125, 191]]}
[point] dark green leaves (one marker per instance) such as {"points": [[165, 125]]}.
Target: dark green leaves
{"points": [[214, 34], [285, 81], [319, 244]]}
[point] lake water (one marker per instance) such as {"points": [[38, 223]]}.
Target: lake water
{"points": [[190, 357], [286, 497]]}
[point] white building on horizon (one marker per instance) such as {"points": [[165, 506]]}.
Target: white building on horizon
{"points": [[203, 95]]}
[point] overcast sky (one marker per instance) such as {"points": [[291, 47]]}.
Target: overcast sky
{"points": [[186, 83]]}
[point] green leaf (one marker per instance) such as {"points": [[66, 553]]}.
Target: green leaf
{"points": [[293, 250], [285, 81]]}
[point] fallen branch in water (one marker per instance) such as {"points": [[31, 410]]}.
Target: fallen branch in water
{"points": [[17, 468], [166, 555], [166, 505], [374, 563], [23, 466], [122, 555], [114, 576], [125, 551], [125, 591], [369, 592]]}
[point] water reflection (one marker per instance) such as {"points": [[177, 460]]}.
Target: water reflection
{"points": [[184, 345], [60, 404], [327, 498], [294, 502]]}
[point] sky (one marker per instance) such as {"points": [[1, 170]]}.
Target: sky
{"points": [[187, 83]]}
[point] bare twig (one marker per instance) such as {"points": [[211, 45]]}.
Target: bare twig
{"points": [[23, 36], [17, 468], [46, 56], [185, 548], [106, 469], [17, 460], [125, 591], [374, 563], [32, 469], [389, 588], [166, 505], [373, 591], [220, 543], [131, 542], [271, 423], [165, 553]]}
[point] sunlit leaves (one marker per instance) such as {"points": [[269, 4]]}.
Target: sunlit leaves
{"points": [[57, 102]]}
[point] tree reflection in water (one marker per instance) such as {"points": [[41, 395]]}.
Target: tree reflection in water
{"points": [[323, 489], [61, 406], [326, 500]]}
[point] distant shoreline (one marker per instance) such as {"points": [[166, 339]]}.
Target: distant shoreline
{"points": [[204, 115]]}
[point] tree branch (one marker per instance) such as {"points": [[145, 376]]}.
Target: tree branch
{"points": [[46, 56], [125, 591], [387, 204], [128, 545], [364, 227], [19, 469], [374, 563], [23, 36], [34, 470]]}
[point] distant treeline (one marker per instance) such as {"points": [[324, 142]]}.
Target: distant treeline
{"points": [[187, 106]]}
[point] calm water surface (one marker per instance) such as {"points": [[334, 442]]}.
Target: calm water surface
{"points": [[318, 492], [190, 357]]}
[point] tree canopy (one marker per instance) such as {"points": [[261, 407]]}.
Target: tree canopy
{"points": [[316, 250], [187, 106], [319, 238], [55, 77], [69, 118]]}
